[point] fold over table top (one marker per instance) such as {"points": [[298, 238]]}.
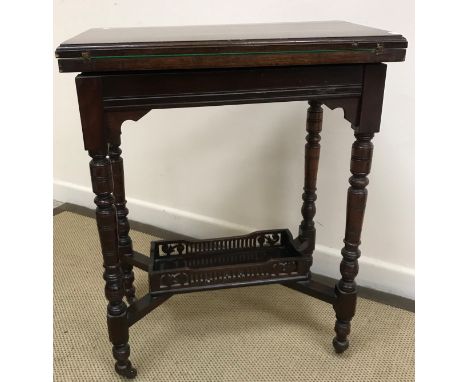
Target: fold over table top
{"points": [[228, 46]]}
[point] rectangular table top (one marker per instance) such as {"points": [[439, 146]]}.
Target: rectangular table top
{"points": [[218, 46]]}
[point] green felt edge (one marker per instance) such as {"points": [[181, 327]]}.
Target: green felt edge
{"points": [[230, 53]]}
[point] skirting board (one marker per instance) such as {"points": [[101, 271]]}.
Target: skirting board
{"points": [[376, 274]]}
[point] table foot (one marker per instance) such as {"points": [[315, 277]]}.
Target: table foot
{"points": [[341, 342], [123, 366], [340, 346], [128, 372]]}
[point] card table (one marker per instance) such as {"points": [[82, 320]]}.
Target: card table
{"points": [[126, 72]]}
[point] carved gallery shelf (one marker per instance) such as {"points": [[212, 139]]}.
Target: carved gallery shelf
{"points": [[262, 257], [125, 73]]}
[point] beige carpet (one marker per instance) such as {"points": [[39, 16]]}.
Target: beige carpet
{"points": [[266, 333]]}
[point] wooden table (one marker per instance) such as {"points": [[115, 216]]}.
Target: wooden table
{"points": [[125, 73]]}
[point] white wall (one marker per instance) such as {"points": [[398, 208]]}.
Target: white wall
{"points": [[226, 170]]}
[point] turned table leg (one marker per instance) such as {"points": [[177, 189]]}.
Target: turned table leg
{"points": [[125, 242], [345, 289], [101, 177], [306, 236]]}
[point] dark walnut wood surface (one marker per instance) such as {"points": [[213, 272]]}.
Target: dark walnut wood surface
{"points": [[227, 46]]}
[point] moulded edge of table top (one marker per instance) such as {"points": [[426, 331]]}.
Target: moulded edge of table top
{"points": [[159, 48]]}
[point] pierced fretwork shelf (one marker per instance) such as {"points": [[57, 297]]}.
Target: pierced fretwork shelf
{"points": [[260, 257]]}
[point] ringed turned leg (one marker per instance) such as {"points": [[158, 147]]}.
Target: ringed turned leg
{"points": [[101, 177], [125, 242], [345, 289], [306, 236]]}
